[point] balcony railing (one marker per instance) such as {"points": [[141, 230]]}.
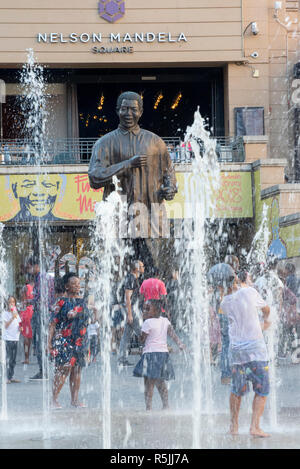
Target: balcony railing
{"points": [[78, 151]]}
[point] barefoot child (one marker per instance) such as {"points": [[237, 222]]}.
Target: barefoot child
{"points": [[11, 336], [249, 357], [154, 365]]}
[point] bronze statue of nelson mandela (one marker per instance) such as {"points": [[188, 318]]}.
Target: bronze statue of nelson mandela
{"points": [[138, 157]]}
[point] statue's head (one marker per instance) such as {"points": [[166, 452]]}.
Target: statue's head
{"points": [[129, 109]]}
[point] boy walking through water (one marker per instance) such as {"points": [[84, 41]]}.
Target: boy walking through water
{"points": [[248, 351]]}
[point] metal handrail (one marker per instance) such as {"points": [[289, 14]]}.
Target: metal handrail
{"points": [[79, 150]]}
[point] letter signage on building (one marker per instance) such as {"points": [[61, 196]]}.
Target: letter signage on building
{"points": [[127, 39]]}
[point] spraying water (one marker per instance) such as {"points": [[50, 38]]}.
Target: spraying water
{"points": [[34, 107], [200, 188], [33, 86], [259, 246], [268, 288], [109, 251]]}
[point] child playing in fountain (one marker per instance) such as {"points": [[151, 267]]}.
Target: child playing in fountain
{"points": [[155, 366], [11, 336], [248, 351]]}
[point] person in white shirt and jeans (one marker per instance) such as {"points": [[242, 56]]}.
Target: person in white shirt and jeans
{"points": [[248, 351], [92, 331], [11, 336]]}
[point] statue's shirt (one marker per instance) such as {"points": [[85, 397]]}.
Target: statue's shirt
{"points": [[139, 184]]}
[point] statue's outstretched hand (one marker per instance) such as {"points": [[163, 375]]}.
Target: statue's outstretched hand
{"points": [[138, 161], [168, 193]]}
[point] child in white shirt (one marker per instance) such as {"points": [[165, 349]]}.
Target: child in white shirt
{"points": [[11, 334]]}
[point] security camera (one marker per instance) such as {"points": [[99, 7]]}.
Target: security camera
{"points": [[254, 28], [254, 55]]}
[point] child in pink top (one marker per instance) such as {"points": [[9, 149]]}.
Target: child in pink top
{"points": [[26, 316], [155, 366], [154, 289]]}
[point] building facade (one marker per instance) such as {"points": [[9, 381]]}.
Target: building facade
{"points": [[237, 60]]}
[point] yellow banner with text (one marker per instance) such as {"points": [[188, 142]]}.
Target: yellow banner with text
{"points": [[54, 197]]}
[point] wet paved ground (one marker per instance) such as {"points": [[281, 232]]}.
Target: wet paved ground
{"points": [[28, 427]]}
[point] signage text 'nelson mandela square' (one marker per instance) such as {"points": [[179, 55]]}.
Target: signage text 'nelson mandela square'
{"points": [[112, 37], [127, 39]]}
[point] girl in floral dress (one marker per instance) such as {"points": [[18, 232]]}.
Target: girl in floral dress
{"points": [[68, 340]]}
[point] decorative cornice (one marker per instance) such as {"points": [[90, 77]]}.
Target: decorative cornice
{"points": [[279, 188], [289, 220], [269, 162], [256, 139]]}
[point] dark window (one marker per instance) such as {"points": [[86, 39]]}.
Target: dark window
{"points": [[249, 121]]}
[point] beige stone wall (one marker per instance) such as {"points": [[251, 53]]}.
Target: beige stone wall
{"points": [[255, 148], [282, 58], [267, 80], [212, 29], [243, 88], [289, 202]]}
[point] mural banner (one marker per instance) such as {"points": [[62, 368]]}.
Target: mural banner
{"points": [[54, 197], [284, 241]]}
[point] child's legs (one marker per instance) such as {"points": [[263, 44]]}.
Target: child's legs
{"points": [[61, 373], [93, 346], [119, 333], [128, 331], [235, 404], [258, 406], [113, 339], [239, 387], [163, 392], [225, 366], [213, 352], [261, 386], [96, 345], [11, 355], [75, 380], [27, 343], [149, 388]]}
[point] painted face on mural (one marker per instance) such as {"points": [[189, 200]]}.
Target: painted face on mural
{"points": [[37, 194]]}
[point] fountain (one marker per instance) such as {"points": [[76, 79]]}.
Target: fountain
{"points": [[201, 186], [33, 103], [109, 248], [258, 254]]}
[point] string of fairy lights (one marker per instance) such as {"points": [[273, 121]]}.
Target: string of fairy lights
{"points": [[88, 118], [158, 100], [101, 102], [176, 101]]}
